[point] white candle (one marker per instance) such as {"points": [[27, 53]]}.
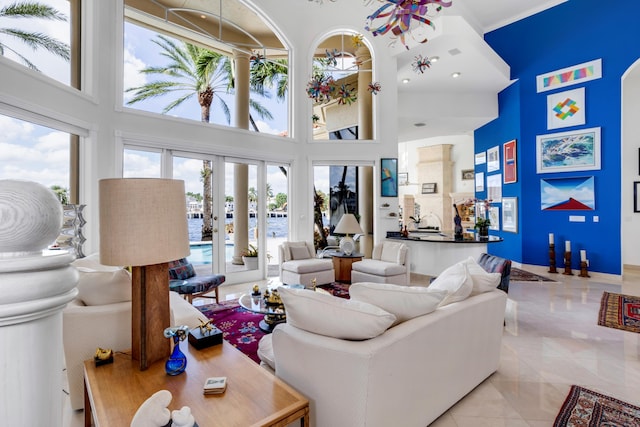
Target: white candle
{"points": [[551, 238], [567, 246], [583, 255]]}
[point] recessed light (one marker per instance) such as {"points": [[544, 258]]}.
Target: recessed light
{"points": [[434, 59], [405, 81], [419, 124], [456, 74]]}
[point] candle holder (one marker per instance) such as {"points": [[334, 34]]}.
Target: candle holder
{"points": [[552, 258], [583, 269], [567, 263]]}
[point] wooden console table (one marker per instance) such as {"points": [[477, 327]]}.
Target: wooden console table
{"points": [[254, 397]]}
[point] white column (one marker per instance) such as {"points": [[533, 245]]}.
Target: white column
{"points": [[34, 288], [241, 171]]}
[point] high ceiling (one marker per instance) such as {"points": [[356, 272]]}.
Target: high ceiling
{"points": [[434, 101]]}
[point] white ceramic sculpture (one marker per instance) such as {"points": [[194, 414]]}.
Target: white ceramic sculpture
{"points": [[154, 412]]}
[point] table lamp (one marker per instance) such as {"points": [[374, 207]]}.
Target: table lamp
{"points": [[143, 224], [348, 224]]}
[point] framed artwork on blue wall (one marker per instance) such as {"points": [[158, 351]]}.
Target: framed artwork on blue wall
{"points": [[389, 177], [576, 150], [510, 214], [568, 194]]}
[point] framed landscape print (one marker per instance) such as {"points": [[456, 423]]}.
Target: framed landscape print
{"points": [[389, 177], [493, 159], [568, 194], [510, 214], [467, 174], [577, 150], [509, 159]]}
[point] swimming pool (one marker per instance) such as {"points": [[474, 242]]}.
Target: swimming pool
{"points": [[201, 252]]}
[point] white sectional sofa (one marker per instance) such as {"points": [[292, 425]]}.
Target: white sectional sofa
{"points": [[407, 376]]}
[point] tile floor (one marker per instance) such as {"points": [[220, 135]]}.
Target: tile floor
{"points": [[551, 341]]}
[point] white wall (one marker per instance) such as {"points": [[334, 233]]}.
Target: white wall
{"points": [[461, 155], [630, 229]]}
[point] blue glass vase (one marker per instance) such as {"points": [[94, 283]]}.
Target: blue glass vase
{"points": [[177, 362]]}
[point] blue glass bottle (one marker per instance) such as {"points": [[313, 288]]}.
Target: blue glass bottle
{"points": [[177, 362]]}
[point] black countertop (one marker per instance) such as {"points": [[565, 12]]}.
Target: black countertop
{"points": [[444, 237]]}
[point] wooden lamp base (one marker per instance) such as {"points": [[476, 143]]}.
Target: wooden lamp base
{"points": [[150, 314]]}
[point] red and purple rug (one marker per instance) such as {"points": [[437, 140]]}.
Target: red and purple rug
{"points": [[239, 326], [584, 407]]}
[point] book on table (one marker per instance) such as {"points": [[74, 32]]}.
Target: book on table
{"points": [[215, 385]]}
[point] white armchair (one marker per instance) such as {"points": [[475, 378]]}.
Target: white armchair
{"points": [[389, 263], [100, 316], [299, 265]]}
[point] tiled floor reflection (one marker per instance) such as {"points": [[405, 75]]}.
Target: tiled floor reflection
{"points": [[551, 341]]}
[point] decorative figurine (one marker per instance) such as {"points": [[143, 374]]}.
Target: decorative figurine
{"points": [[457, 220], [177, 362], [205, 327], [256, 290]]}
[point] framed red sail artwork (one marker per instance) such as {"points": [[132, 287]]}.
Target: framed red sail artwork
{"points": [[510, 164]]}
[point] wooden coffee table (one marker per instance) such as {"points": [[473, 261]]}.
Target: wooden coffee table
{"points": [[254, 397]]}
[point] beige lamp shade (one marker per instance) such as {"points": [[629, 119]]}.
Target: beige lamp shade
{"points": [[143, 221], [348, 224]]}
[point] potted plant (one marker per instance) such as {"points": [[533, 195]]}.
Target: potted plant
{"points": [[482, 225], [250, 257]]}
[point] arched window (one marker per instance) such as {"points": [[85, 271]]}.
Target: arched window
{"points": [[341, 88]]}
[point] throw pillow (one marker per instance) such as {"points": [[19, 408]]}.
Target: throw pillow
{"points": [[300, 252], [482, 280], [405, 302], [456, 281], [182, 272], [101, 284], [289, 245], [332, 316]]}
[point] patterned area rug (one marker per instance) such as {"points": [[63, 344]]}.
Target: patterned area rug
{"points": [[587, 408], [239, 326], [337, 289], [620, 311], [518, 275]]}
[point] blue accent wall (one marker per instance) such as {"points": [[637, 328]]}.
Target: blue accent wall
{"points": [[569, 34]]}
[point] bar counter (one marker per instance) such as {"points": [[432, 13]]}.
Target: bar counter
{"points": [[432, 252]]}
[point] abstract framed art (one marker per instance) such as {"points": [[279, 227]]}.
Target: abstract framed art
{"points": [[389, 177], [510, 163], [577, 150], [568, 194], [494, 188]]}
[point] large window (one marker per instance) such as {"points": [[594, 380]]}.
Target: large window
{"points": [[39, 37], [340, 89], [36, 153], [164, 72]]}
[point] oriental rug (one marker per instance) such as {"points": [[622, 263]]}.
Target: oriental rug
{"points": [[337, 289], [239, 326], [584, 407], [518, 275], [620, 311]]}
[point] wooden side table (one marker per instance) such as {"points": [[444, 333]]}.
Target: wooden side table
{"points": [[342, 265], [254, 397]]}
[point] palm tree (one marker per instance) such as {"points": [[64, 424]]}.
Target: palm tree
{"points": [[34, 40], [193, 71], [61, 193]]}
